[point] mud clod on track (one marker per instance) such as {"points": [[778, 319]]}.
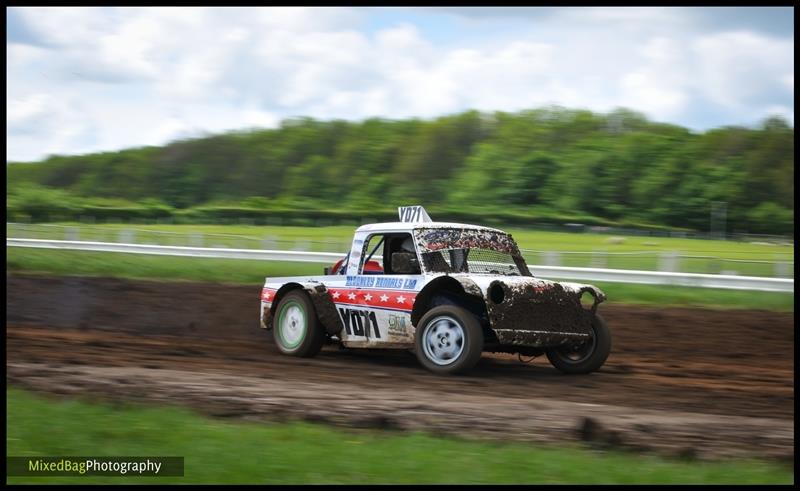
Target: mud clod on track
{"points": [[696, 382]]}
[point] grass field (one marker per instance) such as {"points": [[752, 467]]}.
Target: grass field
{"points": [[574, 249], [254, 272], [246, 452]]}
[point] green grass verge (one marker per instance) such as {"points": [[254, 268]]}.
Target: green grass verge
{"points": [[592, 249], [680, 296], [244, 452], [141, 266]]}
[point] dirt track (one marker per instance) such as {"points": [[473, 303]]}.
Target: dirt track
{"points": [[696, 381]]}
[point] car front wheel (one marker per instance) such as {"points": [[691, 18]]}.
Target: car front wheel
{"points": [[448, 340], [585, 357]]}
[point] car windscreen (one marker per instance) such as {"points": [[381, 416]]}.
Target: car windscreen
{"points": [[469, 250]]}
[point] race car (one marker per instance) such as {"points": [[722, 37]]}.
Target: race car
{"points": [[447, 291]]}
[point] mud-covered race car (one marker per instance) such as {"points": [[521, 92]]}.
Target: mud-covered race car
{"points": [[447, 291]]}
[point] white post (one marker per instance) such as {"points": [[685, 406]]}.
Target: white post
{"points": [[301, 245], [268, 243], [668, 261], [781, 268], [599, 259], [551, 258], [125, 236]]}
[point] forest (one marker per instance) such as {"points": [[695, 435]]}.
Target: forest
{"points": [[547, 165]]}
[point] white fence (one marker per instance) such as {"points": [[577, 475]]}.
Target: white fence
{"points": [[556, 272], [760, 261]]}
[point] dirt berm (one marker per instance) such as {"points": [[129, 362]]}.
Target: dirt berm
{"points": [[690, 381]]}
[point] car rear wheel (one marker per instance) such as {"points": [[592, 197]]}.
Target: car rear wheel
{"points": [[448, 340], [297, 331], [585, 357]]}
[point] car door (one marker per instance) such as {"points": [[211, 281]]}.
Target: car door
{"points": [[380, 300]]}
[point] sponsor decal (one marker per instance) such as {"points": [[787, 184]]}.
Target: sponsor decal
{"points": [[413, 214], [373, 281], [397, 326], [359, 322], [360, 281]]}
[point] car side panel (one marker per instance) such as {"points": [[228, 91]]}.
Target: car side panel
{"points": [[375, 316], [375, 310]]}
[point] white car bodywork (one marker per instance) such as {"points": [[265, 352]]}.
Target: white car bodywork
{"points": [[378, 310]]}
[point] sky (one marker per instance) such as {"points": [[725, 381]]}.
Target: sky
{"points": [[83, 80]]}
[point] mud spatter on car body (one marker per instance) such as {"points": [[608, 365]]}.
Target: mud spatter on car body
{"points": [[436, 239], [538, 312]]}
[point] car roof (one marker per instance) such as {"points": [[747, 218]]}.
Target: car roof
{"points": [[407, 226]]}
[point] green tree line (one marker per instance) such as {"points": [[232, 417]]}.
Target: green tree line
{"points": [[543, 164]]}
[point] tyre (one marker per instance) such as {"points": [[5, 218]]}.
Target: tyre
{"points": [[448, 340], [587, 356], [297, 331]]}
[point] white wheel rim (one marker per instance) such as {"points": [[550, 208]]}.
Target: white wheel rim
{"points": [[443, 340], [293, 325]]}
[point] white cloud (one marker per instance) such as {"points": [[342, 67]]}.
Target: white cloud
{"points": [[736, 67], [102, 78], [25, 114], [65, 26], [785, 112], [39, 124], [651, 96], [305, 19], [259, 119], [788, 82], [513, 77], [18, 55], [623, 14], [659, 86]]}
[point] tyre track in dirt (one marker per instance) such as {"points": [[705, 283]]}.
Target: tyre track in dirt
{"points": [[691, 381]]}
